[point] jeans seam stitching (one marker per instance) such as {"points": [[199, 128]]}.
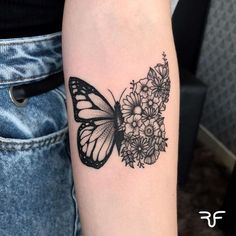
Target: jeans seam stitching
{"points": [[32, 41], [28, 79], [34, 144]]}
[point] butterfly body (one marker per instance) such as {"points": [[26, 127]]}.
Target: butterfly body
{"points": [[119, 121]]}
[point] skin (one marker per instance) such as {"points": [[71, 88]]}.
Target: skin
{"points": [[109, 44]]}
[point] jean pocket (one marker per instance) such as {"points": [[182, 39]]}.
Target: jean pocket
{"points": [[36, 190], [36, 185]]}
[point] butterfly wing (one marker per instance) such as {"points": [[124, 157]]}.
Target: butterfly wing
{"points": [[88, 103], [96, 140], [96, 134]]}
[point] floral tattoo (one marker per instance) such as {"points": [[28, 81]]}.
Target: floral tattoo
{"points": [[135, 124]]}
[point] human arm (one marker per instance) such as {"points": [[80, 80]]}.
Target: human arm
{"points": [[108, 44]]}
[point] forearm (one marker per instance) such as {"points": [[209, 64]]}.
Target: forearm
{"points": [[108, 44]]}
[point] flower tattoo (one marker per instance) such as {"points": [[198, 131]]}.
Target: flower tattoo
{"points": [[143, 109], [132, 105]]}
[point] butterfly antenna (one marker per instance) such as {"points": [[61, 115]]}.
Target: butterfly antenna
{"points": [[121, 95], [112, 95]]}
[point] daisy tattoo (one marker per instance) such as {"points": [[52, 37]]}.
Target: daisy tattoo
{"points": [[135, 124]]}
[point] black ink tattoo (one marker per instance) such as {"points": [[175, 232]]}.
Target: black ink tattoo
{"points": [[134, 125]]}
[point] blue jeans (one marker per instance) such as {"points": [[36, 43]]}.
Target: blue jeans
{"points": [[36, 186]]}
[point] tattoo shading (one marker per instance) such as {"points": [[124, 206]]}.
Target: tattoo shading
{"points": [[135, 124]]}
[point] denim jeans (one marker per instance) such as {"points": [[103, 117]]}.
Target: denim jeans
{"points": [[36, 185]]}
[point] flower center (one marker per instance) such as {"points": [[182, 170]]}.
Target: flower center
{"points": [[137, 110], [145, 88], [159, 87], [149, 131], [150, 103], [134, 123]]}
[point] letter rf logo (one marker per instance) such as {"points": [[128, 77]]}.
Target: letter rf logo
{"points": [[207, 216]]}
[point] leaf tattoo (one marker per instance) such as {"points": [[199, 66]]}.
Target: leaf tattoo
{"points": [[135, 125]]}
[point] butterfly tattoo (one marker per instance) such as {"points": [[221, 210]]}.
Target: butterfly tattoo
{"points": [[134, 124]]}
